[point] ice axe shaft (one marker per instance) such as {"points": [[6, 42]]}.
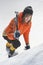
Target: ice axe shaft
{"points": [[16, 20]]}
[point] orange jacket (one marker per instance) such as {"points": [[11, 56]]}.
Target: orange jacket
{"points": [[24, 28]]}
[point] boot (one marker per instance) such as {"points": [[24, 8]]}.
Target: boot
{"points": [[12, 50]]}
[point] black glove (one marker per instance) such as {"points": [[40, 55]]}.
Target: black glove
{"points": [[16, 34], [27, 47]]}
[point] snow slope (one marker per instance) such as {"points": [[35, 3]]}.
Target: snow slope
{"points": [[7, 8], [32, 56]]}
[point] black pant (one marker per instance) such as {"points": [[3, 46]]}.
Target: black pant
{"points": [[16, 43]]}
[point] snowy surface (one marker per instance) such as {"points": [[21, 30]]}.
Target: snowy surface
{"points": [[27, 57], [7, 8]]}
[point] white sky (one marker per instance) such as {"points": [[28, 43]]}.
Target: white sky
{"points": [[7, 8]]}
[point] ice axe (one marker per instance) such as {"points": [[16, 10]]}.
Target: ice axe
{"points": [[17, 32]]}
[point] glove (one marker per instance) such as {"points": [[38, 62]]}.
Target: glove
{"points": [[16, 34], [27, 47]]}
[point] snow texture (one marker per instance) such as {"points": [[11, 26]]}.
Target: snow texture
{"points": [[27, 57], [34, 56]]}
